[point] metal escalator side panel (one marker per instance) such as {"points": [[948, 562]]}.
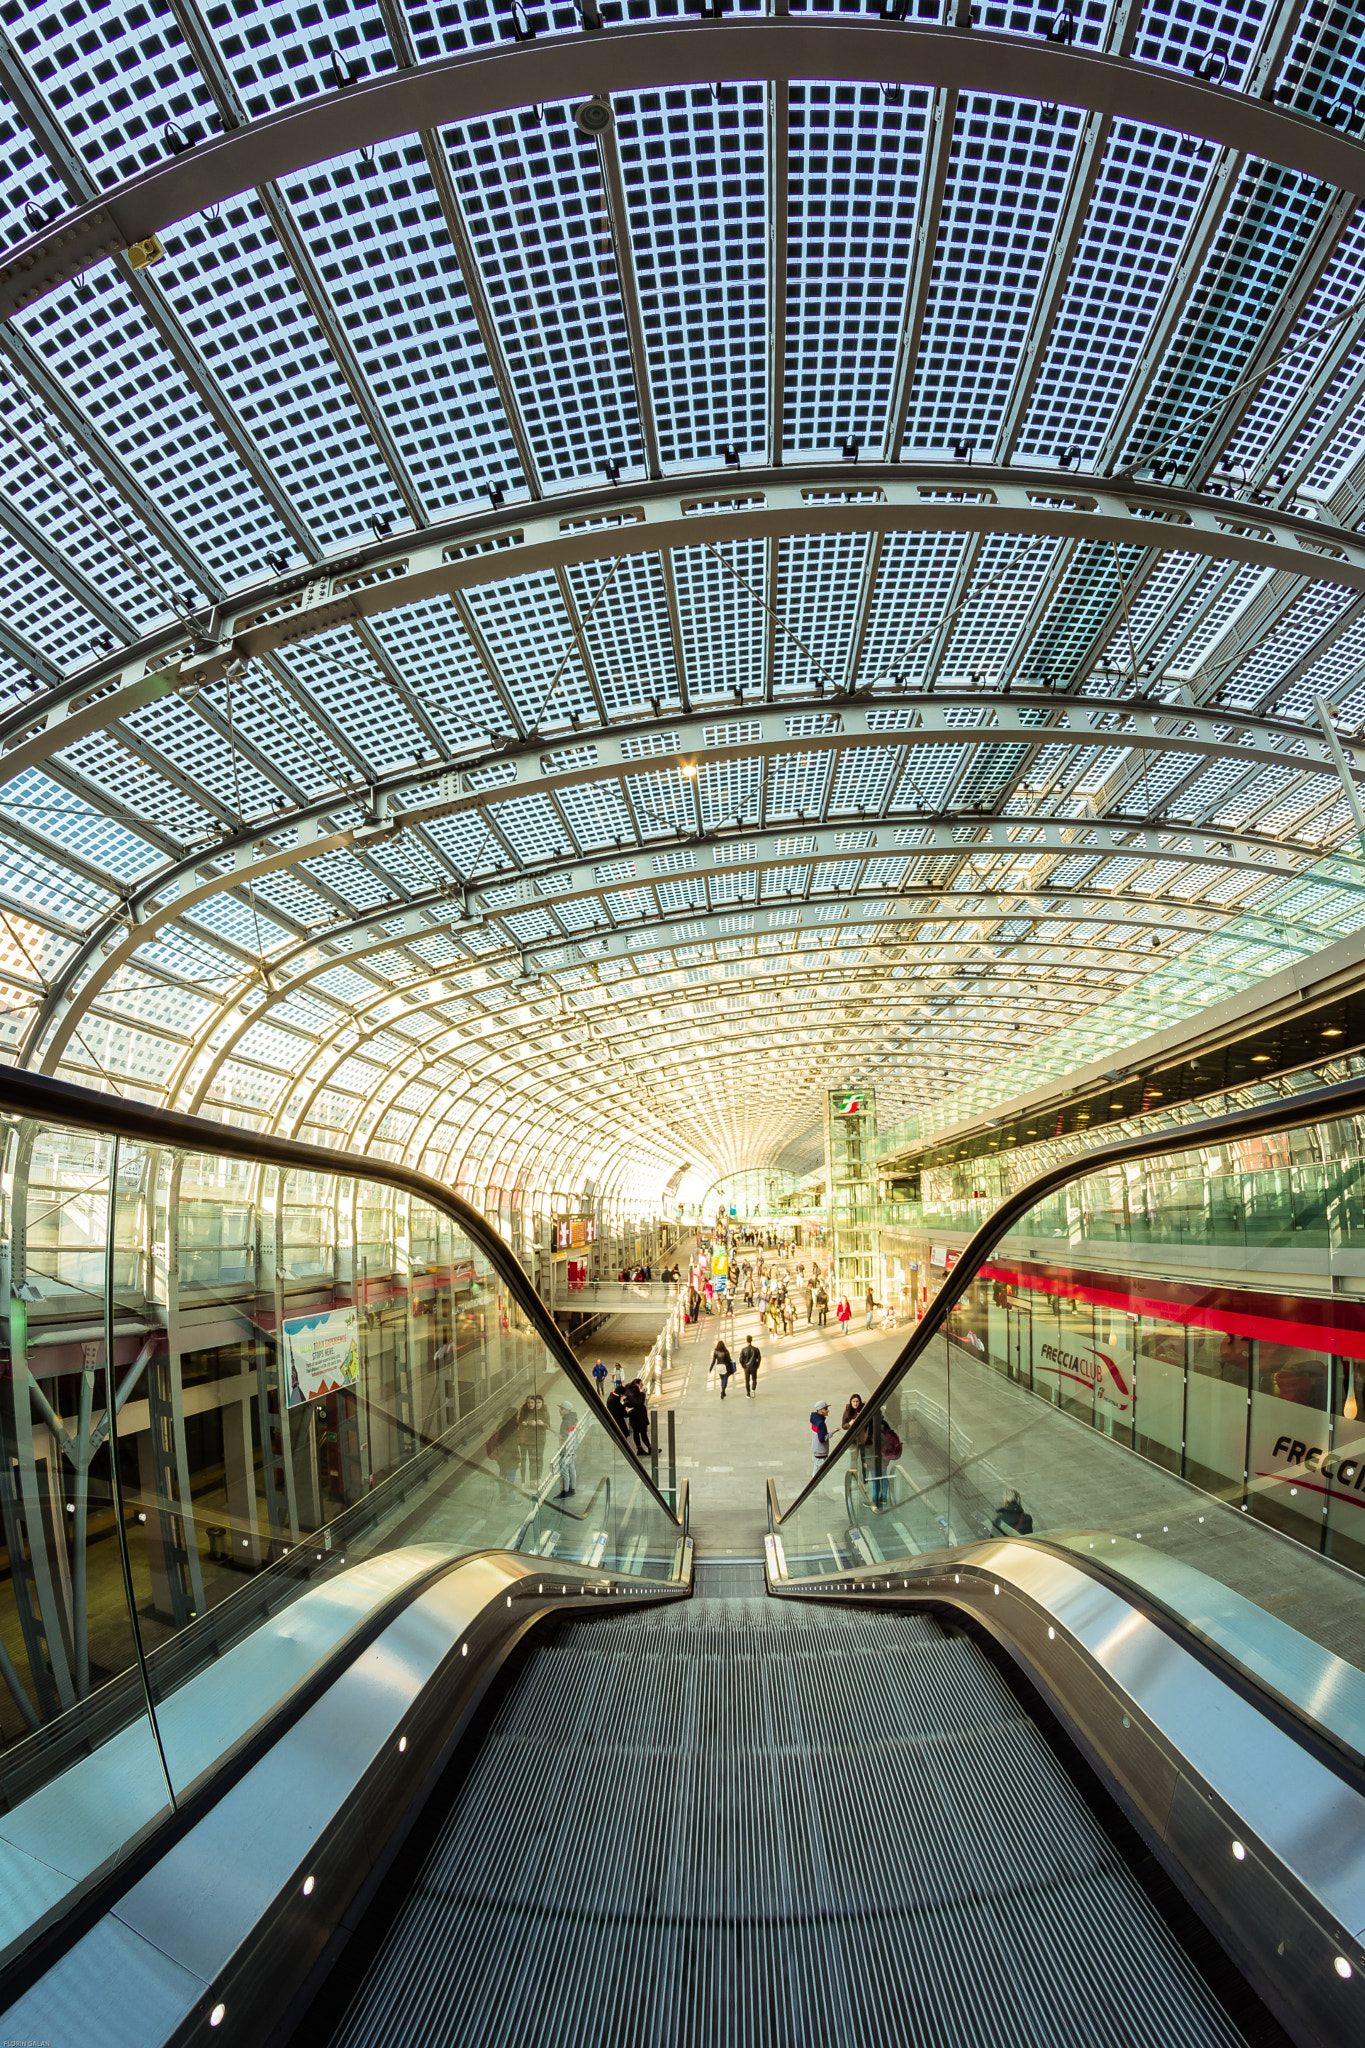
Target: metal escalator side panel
{"points": [[1262, 1831]]}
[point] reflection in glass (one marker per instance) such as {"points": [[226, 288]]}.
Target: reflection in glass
{"points": [[323, 1395]]}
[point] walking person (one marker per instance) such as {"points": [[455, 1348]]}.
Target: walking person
{"points": [[821, 1307], [599, 1374], [843, 1313], [871, 1305], [819, 1430], [616, 1409], [722, 1363], [810, 1303], [618, 1380], [637, 1415], [750, 1359]]}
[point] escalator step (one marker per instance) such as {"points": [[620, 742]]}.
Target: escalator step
{"points": [[742, 1820]]}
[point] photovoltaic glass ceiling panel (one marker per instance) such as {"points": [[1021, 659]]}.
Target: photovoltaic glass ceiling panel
{"points": [[305, 370]]}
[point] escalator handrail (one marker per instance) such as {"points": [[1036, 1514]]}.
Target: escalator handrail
{"points": [[42, 1099], [1265, 1119]]}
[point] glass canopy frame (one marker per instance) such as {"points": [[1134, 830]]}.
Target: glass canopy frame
{"points": [[534, 653]]}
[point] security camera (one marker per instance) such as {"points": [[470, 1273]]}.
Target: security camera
{"points": [[594, 118]]}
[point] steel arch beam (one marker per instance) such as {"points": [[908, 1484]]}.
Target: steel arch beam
{"points": [[366, 935], [688, 745], [477, 1063], [653, 930], [479, 83], [603, 525]]}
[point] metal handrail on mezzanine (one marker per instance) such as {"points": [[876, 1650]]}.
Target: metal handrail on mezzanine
{"points": [[40, 1099], [1266, 1119]]}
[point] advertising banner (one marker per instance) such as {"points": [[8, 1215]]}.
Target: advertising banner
{"points": [[720, 1263], [321, 1354]]}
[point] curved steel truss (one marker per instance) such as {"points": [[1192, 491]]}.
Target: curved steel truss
{"points": [[538, 654]]}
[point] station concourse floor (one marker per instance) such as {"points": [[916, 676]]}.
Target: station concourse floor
{"points": [[728, 1449]]}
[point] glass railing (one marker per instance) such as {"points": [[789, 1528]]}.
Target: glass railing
{"points": [[1192, 1423], [249, 1394], [1190, 1201]]}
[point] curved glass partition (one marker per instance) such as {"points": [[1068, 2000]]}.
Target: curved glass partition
{"points": [[244, 1404], [1186, 1415]]}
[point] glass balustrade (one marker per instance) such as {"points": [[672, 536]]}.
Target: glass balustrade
{"points": [[1180, 1406], [242, 1407]]}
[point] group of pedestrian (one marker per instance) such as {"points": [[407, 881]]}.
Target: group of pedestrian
{"points": [[723, 1365], [875, 1441]]}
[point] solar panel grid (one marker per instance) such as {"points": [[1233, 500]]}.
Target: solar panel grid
{"points": [[854, 174], [241, 303], [1214, 605], [796, 785], [1295, 813], [349, 879], [1256, 680], [1006, 181], [104, 351], [624, 609], [597, 815], [531, 640], [195, 745], [693, 166], [432, 655], [1315, 332], [285, 697], [59, 492], [1146, 198], [53, 623], [534, 203], [1267, 232], [1009, 575], [817, 599], [723, 631], [1093, 587], [382, 249]]}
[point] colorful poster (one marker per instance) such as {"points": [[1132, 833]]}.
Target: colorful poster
{"points": [[321, 1354], [720, 1262]]}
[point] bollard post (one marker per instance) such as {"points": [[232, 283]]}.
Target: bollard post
{"points": [[654, 1445], [672, 1462]]}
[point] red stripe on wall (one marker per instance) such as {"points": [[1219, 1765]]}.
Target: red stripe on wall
{"points": [[1313, 1324]]}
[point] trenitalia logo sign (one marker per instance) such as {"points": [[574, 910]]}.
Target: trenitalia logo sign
{"points": [[1090, 1368]]}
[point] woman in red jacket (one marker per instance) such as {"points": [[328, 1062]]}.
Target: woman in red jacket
{"points": [[843, 1313]]}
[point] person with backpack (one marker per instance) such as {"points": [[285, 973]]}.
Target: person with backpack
{"points": [[750, 1359], [722, 1363], [1012, 1518], [819, 1430]]}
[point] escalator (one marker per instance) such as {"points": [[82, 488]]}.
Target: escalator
{"points": [[741, 1819], [452, 1738]]}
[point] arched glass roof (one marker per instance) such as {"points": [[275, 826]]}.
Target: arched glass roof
{"points": [[535, 640]]}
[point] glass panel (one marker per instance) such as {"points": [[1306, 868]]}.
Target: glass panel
{"points": [[1159, 1369], [325, 1394], [77, 1735]]}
